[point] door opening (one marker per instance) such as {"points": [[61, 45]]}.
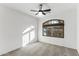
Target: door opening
{"points": [[28, 35]]}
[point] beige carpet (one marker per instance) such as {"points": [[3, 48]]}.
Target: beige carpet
{"points": [[42, 49]]}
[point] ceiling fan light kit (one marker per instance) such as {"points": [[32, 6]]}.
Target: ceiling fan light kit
{"points": [[41, 11]]}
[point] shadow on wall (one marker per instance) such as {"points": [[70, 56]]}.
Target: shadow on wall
{"points": [[28, 35]]}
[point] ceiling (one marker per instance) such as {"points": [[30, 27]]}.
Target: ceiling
{"points": [[26, 7]]}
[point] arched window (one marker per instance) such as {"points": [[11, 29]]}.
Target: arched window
{"points": [[53, 28]]}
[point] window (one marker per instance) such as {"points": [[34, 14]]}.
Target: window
{"points": [[53, 28]]}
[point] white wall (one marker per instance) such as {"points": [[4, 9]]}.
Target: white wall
{"points": [[70, 35], [12, 24], [78, 28]]}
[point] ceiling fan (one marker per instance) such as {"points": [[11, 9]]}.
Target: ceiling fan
{"points": [[41, 10]]}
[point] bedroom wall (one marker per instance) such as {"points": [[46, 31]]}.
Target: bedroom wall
{"points": [[78, 28], [12, 24], [70, 34]]}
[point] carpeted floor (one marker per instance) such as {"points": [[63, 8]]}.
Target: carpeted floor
{"points": [[42, 49]]}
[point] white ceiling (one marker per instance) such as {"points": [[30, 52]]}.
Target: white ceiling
{"points": [[26, 7]]}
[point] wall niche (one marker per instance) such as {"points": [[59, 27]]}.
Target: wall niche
{"points": [[53, 28]]}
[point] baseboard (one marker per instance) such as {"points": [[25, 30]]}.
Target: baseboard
{"points": [[10, 51], [58, 45]]}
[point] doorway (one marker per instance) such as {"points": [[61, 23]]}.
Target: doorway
{"points": [[28, 35]]}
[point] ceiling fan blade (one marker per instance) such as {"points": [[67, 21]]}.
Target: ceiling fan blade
{"points": [[37, 13], [47, 10], [43, 13], [34, 10]]}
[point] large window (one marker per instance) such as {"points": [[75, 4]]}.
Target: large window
{"points": [[53, 28]]}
